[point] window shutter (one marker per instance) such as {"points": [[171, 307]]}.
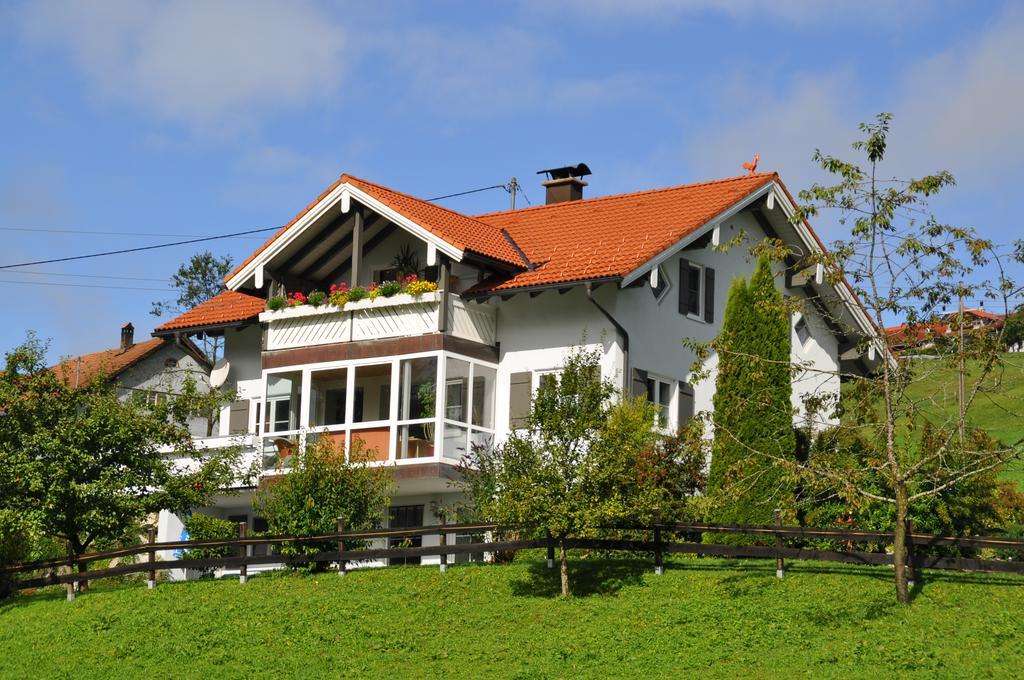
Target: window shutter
{"points": [[519, 388], [709, 295], [684, 285], [238, 423], [639, 383], [686, 405]]}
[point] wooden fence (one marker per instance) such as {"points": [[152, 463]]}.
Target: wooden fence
{"points": [[778, 542]]}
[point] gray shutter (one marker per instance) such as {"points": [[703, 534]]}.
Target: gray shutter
{"points": [[709, 295], [684, 284], [639, 383], [686, 405], [238, 423], [519, 388]]}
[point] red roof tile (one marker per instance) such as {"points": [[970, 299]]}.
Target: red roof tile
{"points": [[462, 231], [110, 362], [611, 236], [227, 307]]}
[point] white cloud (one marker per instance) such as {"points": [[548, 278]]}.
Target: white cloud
{"points": [[958, 110], [210, 64]]}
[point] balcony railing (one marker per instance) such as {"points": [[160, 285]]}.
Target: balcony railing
{"points": [[394, 317]]}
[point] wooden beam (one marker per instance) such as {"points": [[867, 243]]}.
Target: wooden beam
{"points": [[357, 245]]}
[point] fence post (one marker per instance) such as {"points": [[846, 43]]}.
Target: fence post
{"points": [[659, 567], [72, 584], [551, 551], [911, 571], [151, 536], [243, 551], [342, 563], [444, 543], [780, 564]]}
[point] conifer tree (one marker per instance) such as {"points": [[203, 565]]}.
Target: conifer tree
{"points": [[752, 404]]}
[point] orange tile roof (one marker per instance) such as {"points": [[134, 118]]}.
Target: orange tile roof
{"points": [[227, 307], [110, 362], [462, 231], [611, 236]]}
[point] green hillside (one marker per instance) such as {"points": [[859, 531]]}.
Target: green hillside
{"points": [[998, 409], [712, 618]]}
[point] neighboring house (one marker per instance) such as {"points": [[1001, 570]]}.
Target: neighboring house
{"points": [[628, 275], [925, 335], [154, 369]]}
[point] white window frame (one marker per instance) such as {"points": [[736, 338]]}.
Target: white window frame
{"points": [[701, 294], [666, 281], [661, 382]]}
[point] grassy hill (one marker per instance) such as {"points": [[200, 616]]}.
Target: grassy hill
{"points": [[715, 618], [999, 410]]}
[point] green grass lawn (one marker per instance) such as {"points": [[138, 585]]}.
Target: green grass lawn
{"points": [[715, 618]]}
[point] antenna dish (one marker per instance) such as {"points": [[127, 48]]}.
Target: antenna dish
{"points": [[219, 373]]}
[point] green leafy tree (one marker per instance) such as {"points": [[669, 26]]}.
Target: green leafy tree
{"points": [[85, 467], [322, 486], [196, 281], [579, 464], [753, 415], [903, 263]]}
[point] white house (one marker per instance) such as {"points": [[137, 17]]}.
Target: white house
{"points": [[630, 275]]}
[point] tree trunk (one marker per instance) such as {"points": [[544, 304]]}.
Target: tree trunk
{"points": [[899, 546], [83, 585], [564, 568]]}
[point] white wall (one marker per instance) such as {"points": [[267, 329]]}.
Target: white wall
{"points": [[536, 334]]}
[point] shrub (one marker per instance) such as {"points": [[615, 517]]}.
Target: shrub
{"points": [[390, 288], [277, 302], [15, 546], [356, 294], [316, 298], [321, 487], [205, 528], [752, 409]]}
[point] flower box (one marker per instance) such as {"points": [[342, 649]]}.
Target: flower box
{"points": [[399, 300]]}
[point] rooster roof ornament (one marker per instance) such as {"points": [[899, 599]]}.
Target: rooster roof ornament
{"points": [[751, 167]]}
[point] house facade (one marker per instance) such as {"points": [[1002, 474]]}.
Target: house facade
{"points": [[418, 380]]}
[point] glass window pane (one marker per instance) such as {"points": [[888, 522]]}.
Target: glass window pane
{"points": [[484, 378], [327, 397], [283, 397], [373, 391], [416, 441], [480, 440], [456, 390], [693, 291], [418, 396], [455, 443]]}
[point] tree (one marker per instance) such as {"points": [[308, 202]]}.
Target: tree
{"points": [[753, 415], [197, 281], [83, 466], [577, 466], [903, 263], [323, 485]]}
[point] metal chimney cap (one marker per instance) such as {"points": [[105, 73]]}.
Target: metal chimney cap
{"points": [[580, 170]]}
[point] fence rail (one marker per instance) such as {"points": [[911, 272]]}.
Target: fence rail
{"points": [[508, 541]]}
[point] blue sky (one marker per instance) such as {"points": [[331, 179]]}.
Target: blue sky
{"points": [[201, 118]]}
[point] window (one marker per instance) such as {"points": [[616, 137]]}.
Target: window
{"points": [[328, 391], [417, 402], [659, 393], [519, 388], [373, 393], [659, 291], [405, 517], [696, 291], [456, 390], [484, 378], [803, 331], [283, 397]]}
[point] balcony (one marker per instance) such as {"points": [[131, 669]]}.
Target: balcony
{"points": [[394, 317]]}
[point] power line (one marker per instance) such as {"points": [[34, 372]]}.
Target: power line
{"points": [[43, 230], [82, 285], [93, 276], [136, 250], [471, 191]]}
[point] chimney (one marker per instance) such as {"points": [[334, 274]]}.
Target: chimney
{"points": [[127, 336], [564, 184]]}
